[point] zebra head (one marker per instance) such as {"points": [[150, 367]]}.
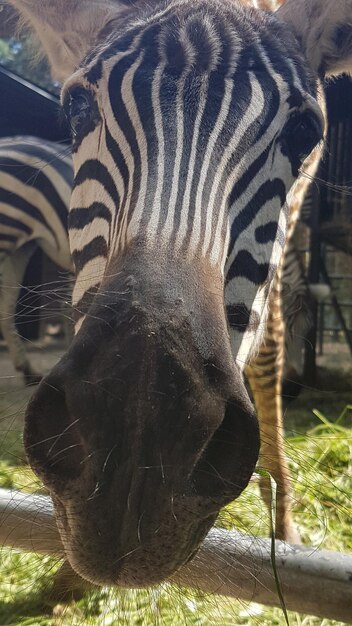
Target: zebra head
{"points": [[191, 121]]}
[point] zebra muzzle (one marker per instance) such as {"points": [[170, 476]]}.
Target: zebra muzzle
{"points": [[142, 432]]}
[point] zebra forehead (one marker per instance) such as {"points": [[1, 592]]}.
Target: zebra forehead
{"points": [[203, 36]]}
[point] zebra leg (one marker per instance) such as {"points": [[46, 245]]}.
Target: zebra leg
{"points": [[13, 270], [264, 375]]}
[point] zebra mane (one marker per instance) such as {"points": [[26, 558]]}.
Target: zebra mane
{"points": [[66, 29], [324, 30], [69, 29]]}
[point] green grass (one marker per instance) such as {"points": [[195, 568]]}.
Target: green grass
{"points": [[320, 460]]}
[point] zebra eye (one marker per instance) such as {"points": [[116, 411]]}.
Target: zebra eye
{"points": [[302, 133], [79, 107]]}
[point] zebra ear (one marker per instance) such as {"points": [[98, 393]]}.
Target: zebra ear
{"points": [[324, 30], [66, 29]]}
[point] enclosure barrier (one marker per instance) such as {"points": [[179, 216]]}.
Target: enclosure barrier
{"points": [[317, 582]]}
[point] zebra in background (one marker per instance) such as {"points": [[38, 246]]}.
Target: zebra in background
{"points": [[35, 187]]}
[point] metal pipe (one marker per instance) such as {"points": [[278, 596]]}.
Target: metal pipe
{"points": [[317, 582]]}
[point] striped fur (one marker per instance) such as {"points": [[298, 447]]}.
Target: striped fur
{"points": [[228, 196], [35, 188]]}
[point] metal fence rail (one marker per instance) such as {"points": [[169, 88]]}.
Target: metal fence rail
{"points": [[317, 582]]}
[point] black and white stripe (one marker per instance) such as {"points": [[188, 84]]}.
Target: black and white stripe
{"points": [[35, 188], [190, 147]]}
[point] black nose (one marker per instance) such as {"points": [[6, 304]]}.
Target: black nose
{"points": [[142, 432], [148, 395], [228, 460]]}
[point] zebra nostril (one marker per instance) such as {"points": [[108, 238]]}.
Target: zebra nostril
{"points": [[228, 461], [51, 436]]}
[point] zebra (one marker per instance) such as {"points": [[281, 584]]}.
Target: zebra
{"points": [[193, 122], [19, 174], [35, 187], [16, 250]]}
